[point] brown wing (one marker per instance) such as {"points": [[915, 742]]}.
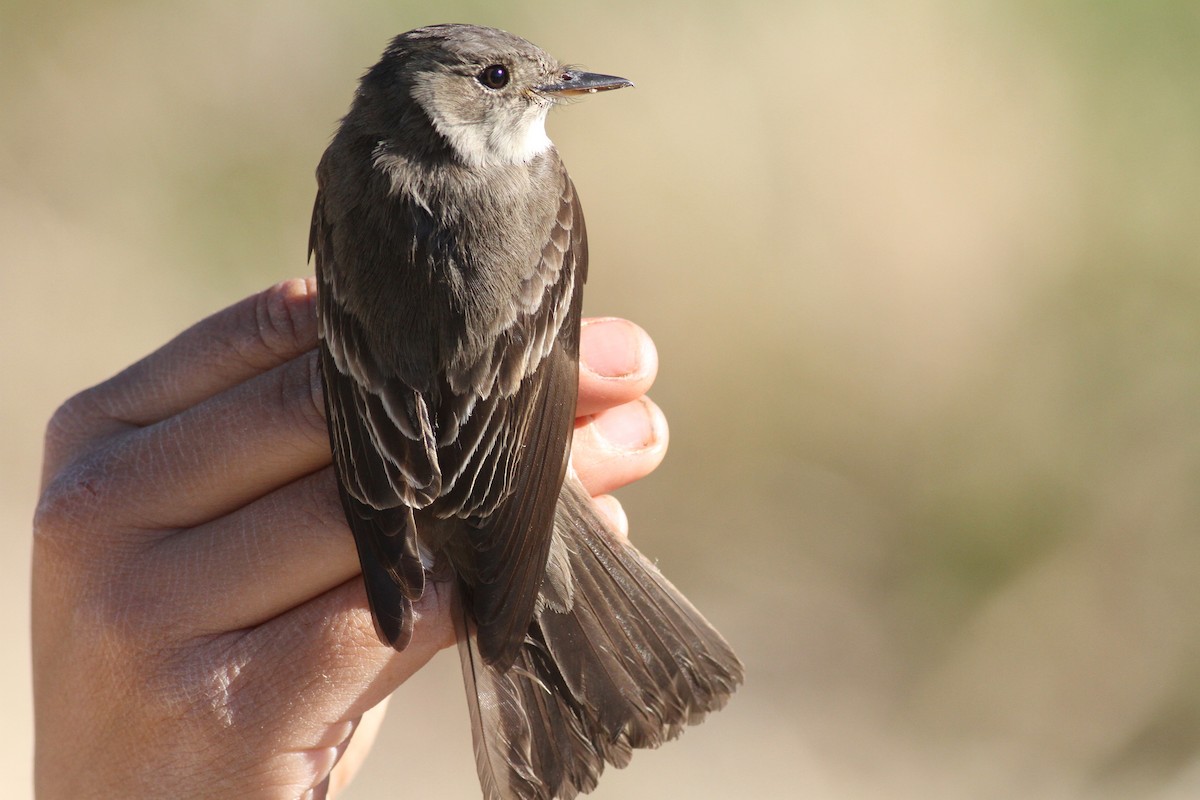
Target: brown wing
{"points": [[381, 436], [486, 444], [504, 471]]}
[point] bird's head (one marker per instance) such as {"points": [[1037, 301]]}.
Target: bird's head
{"points": [[486, 92]]}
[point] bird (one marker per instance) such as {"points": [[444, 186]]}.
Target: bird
{"points": [[451, 253]]}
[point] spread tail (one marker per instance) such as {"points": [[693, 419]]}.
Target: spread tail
{"points": [[616, 658]]}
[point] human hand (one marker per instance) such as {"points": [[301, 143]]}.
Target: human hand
{"points": [[199, 624]]}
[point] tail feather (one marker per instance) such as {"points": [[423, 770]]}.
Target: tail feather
{"points": [[529, 740], [619, 660]]}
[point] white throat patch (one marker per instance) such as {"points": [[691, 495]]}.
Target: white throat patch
{"points": [[498, 142]]}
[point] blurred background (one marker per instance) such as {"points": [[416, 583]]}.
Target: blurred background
{"points": [[924, 278]]}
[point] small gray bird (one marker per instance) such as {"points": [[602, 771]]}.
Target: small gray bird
{"points": [[451, 254]]}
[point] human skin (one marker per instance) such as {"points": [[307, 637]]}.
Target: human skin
{"points": [[199, 625]]}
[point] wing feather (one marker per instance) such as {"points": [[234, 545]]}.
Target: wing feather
{"points": [[482, 437], [509, 499]]}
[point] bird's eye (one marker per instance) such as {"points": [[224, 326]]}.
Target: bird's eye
{"points": [[494, 77]]}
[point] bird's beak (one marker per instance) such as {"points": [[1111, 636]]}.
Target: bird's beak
{"points": [[573, 81]]}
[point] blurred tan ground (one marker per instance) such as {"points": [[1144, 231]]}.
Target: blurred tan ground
{"points": [[925, 283]]}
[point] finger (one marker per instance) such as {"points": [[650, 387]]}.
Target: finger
{"points": [[254, 564], [249, 337], [293, 544], [294, 689], [617, 362], [356, 753], [614, 512], [219, 455], [327, 653], [620, 445]]}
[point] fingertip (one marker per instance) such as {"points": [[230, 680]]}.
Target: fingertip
{"points": [[617, 349], [286, 317], [620, 445], [299, 294], [612, 510], [299, 287], [633, 427], [618, 362]]}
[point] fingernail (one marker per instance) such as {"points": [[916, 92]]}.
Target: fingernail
{"points": [[628, 427], [611, 348]]}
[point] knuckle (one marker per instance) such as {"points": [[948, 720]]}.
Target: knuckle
{"points": [[117, 612], [71, 503], [200, 689], [271, 327], [301, 396], [323, 505], [67, 416], [282, 325], [215, 686], [312, 388], [111, 610], [69, 420], [90, 501]]}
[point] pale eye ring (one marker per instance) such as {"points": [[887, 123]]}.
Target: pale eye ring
{"points": [[495, 76]]}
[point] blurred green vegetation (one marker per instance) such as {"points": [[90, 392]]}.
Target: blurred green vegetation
{"points": [[925, 280]]}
